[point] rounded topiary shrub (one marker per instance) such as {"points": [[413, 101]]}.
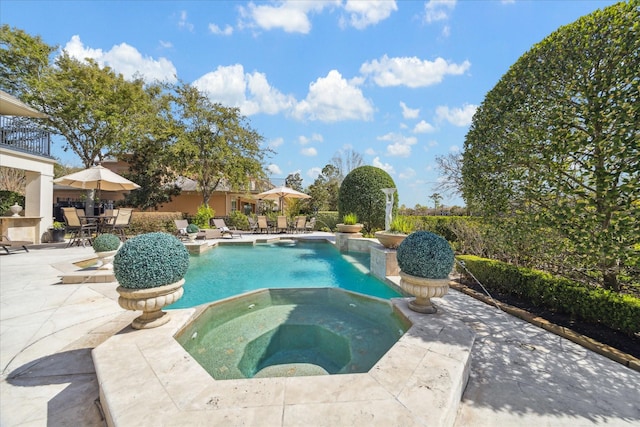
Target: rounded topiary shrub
{"points": [[106, 242], [192, 228], [425, 254], [361, 193], [150, 260]]}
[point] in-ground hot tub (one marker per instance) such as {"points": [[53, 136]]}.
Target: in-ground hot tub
{"points": [[293, 332]]}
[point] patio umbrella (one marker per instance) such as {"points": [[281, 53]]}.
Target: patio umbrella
{"points": [[97, 177], [281, 193], [12, 106]]}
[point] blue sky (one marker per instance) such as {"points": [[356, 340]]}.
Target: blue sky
{"points": [[396, 81]]}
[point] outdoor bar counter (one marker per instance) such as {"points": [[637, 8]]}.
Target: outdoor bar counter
{"points": [[21, 228]]}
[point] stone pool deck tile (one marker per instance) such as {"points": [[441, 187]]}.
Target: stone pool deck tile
{"points": [[336, 388]]}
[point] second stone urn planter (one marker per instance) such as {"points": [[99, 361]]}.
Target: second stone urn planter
{"points": [[349, 228], [389, 239], [151, 302]]}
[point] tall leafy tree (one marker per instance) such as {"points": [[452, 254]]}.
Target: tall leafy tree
{"points": [[554, 147], [294, 180], [216, 145]]}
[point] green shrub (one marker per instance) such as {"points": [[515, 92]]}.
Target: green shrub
{"points": [[350, 219], [57, 225], [327, 220], [150, 260], [192, 228], [590, 304], [106, 242], [361, 193], [151, 222], [425, 254], [8, 199], [238, 220], [203, 216], [401, 224]]}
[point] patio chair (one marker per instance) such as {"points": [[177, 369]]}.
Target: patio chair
{"points": [[263, 225], [181, 226], [281, 224], [300, 223], [222, 227], [310, 225], [253, 224], [81, 233], [15, 245], [121, 223]]}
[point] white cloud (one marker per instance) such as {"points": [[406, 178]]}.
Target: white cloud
{"points": [[384, 166], [227, 31], [232, 87], [370, 152], [333, 98], [166, 45], [316, 137], [410, 71], [309, 151], [274, 169], [409, 113], [456, 116], [365, 13], [438, 10], [423, 127], [408, 173], [183, 22], [290, 16], [276, 142], [454, 149], [401, 145], [314, 172], [124, 59]]}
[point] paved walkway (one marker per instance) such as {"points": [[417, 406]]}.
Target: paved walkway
{"points": [[520, 374]]}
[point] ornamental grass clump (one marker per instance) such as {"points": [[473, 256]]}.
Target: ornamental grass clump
{"points": [[350, 219], [150, 260], [106, 243], [425, 254]]}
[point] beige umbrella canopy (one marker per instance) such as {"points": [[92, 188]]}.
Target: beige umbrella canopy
{"points": [[11, 106], [97, 177], [280, 193]]}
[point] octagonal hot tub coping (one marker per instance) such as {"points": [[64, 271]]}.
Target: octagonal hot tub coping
{"points": [[147, 378]]}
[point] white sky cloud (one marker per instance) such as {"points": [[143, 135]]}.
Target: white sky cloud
{"points": [[309, 151], [184, 22], [274, 169], [124, 59], [166, 45], [370, 12], [423, 127], [408, 173], [333, 98], [316, 137], [410, 71], [384, 166], [276, 142], [409, 113], [231, 86], [314, 172], [438, 10], [289, 16], [370, 152], [456, 116], [227, 31], [401, 145]]}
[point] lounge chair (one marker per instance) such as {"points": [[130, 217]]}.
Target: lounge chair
{"points": [[281, 225], [80, 233], [253, 225], [310, 225], [222, 227], [263, 225], [15, 245]]}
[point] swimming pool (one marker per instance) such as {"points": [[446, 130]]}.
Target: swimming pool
{"points": [[230, 270]]}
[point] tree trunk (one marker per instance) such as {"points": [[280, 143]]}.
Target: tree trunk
{"points": [[610, 280]]}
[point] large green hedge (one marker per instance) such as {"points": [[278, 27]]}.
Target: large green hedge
{"points": [[361, 193], [590, 304]]}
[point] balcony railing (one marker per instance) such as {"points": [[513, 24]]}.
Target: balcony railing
{"points": [[18, 133]]}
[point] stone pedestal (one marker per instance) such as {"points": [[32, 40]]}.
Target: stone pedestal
{"points": [[342, 240], [383, 262]]}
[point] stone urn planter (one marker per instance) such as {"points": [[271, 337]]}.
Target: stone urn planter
{"points": [[389, 239], [150, 269], [192, 232], [15, 209], [425, 261], [106, 246], [349, 228]]}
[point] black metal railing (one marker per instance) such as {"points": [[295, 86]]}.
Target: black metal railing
{"points": [[21, 134]]}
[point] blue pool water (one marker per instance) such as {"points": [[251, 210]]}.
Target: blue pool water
{"points": [[230, 270]]}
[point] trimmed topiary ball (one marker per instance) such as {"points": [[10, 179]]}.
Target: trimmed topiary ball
{"points": [[425, 254], [106, 243], [192, 228], [150, 260]]}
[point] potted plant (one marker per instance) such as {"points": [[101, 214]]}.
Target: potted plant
{"points": [[106, 245], [425, 261], [192, 232], [349, 224], [399, 229], [149, 269], [57, 231]]}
